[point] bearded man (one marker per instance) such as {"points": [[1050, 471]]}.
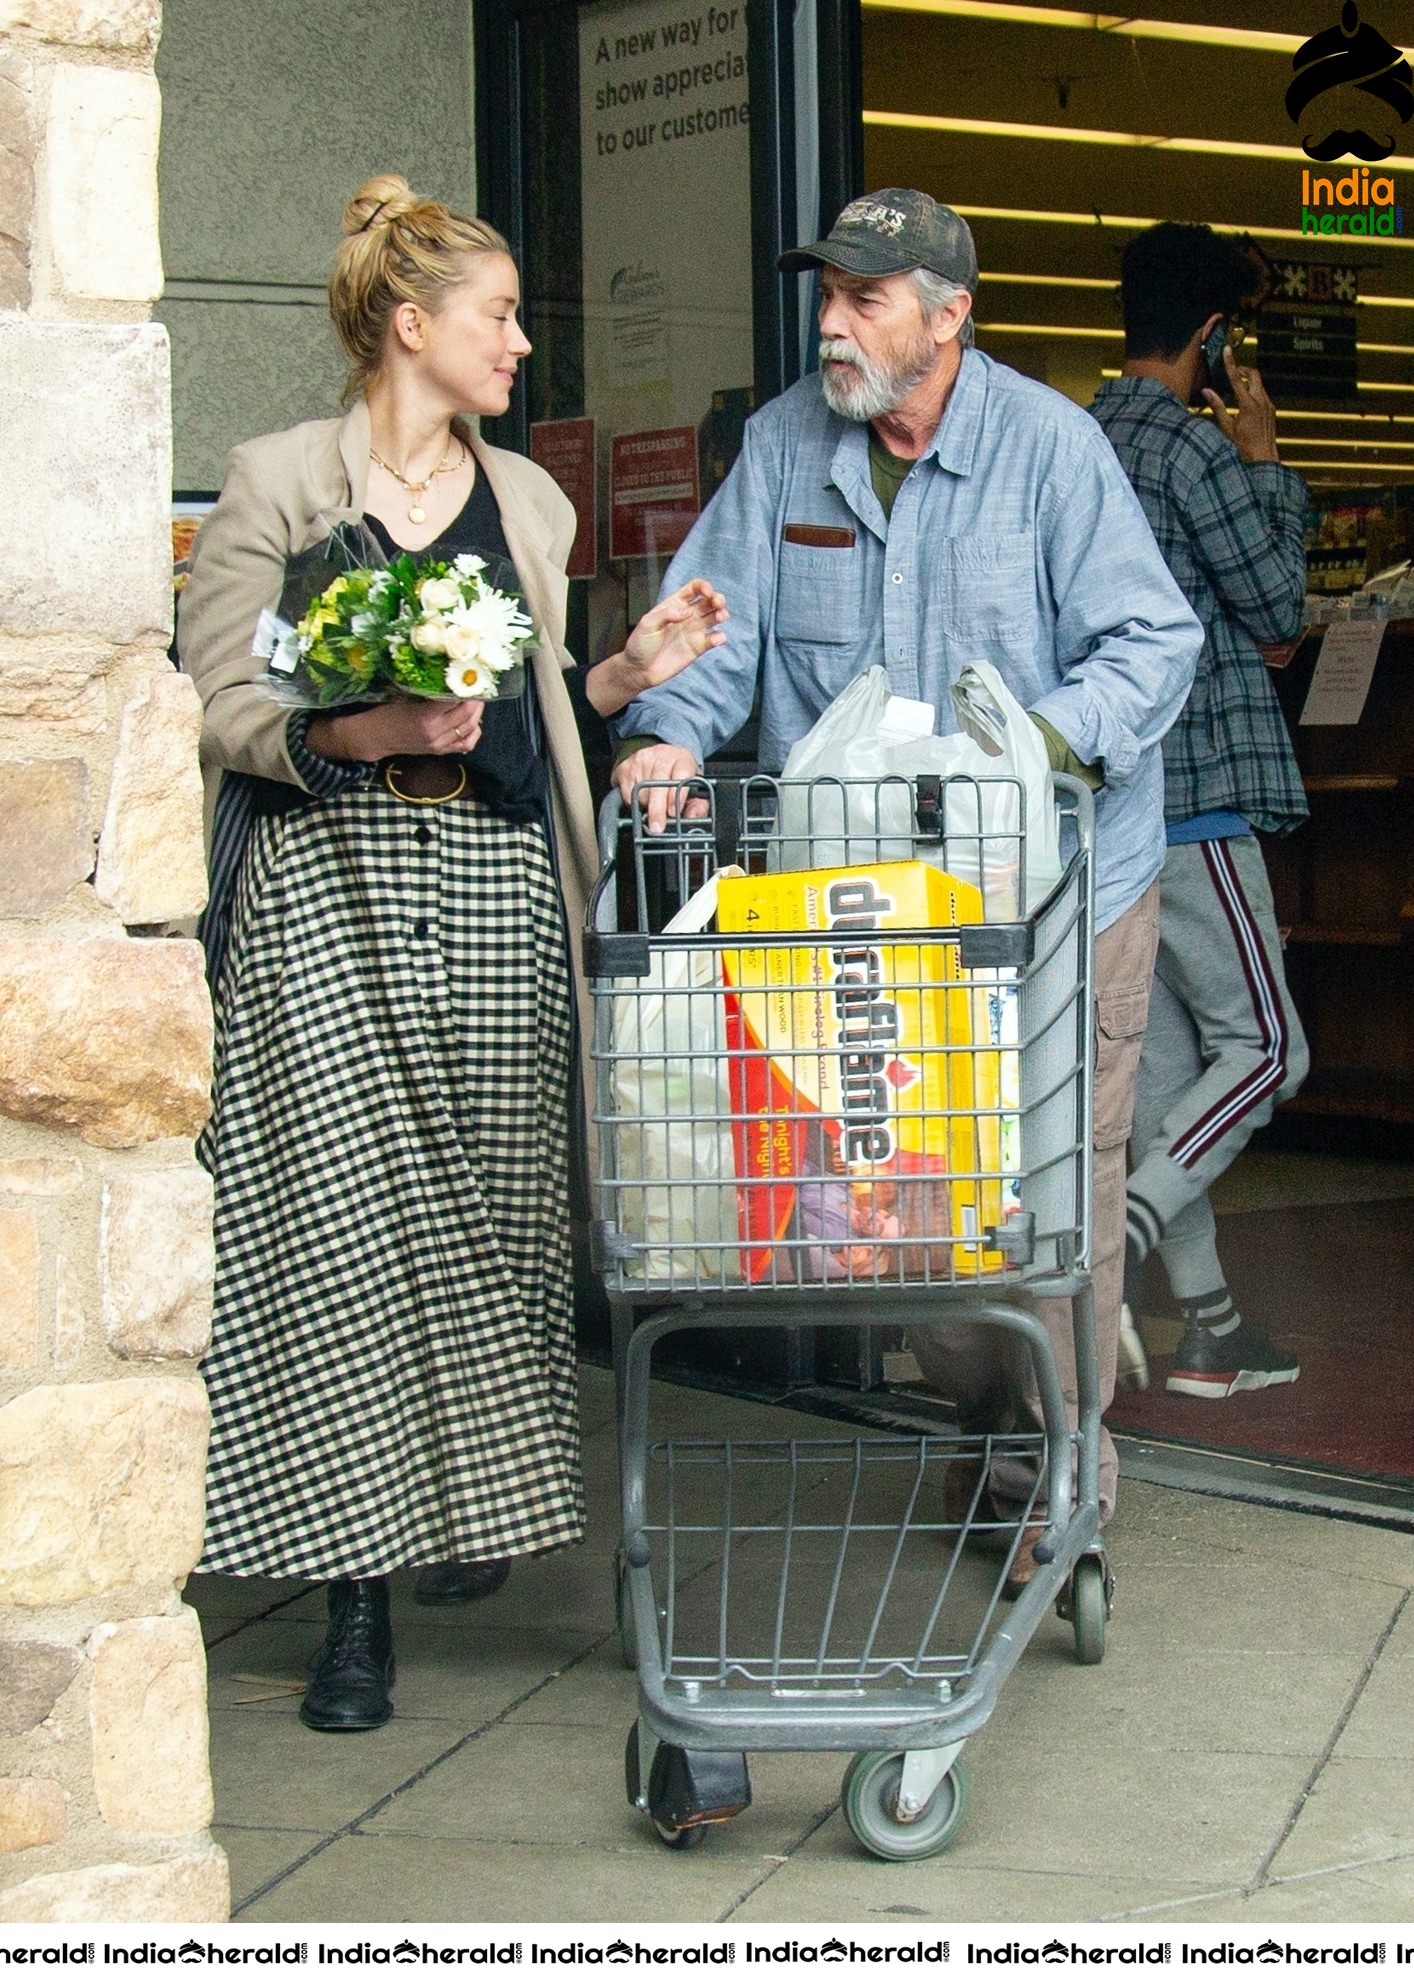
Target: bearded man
{"points": [[914, 505]]}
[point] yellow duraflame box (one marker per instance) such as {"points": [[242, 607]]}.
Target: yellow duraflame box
{"points": [[860, 1059]]}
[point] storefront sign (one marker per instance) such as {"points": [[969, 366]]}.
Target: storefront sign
{"points": [[653, 499], [1306, 336], [565, 449], [665, 178]]}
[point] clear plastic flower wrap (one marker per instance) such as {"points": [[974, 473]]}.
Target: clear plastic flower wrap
{"points": [[355, 626]]}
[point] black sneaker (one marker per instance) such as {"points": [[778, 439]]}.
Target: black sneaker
{"points": [[1216, 1366]]}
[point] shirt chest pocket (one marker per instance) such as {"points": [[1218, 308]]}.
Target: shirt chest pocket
{"points": [[989, 587], [817, 595]]}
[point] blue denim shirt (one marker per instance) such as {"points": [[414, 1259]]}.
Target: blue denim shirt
{"points": [[1016, 538]]}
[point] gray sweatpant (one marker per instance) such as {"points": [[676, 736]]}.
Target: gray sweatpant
{"points": [[1223, 1045]]}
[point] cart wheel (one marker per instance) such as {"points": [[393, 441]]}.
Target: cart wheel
{"points": [[870, 1793], [623, 1618], [1089, 1608], [680, 1838]]}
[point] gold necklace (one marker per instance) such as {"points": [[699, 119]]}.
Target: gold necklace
{"points": [[416, 512]]}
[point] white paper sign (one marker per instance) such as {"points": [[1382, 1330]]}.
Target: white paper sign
{"points": [[665, 176], [1345, 666]]}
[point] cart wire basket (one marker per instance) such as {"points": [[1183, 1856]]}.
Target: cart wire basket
{"points": [[843, 1075]]}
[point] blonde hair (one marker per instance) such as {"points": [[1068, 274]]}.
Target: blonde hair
{"points": [[398, 247]]}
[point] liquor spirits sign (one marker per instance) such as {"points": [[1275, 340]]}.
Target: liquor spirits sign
{"points": [[1307, 335]]}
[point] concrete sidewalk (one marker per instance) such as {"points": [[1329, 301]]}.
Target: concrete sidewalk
{"points": [[1244, 1754]]}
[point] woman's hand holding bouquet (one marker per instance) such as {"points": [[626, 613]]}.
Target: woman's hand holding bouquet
{"points": [[415, 646]]}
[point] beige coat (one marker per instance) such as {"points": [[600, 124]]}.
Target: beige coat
{"points": [[279, 496]]}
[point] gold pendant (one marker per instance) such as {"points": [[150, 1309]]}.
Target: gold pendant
{"points": [[417, 513]]}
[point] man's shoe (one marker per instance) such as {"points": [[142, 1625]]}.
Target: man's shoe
{"points": [[352, 1673], [1131, 1362], [1024, 1564], [965, 1496], [1222, 1365], [459, 1581]]}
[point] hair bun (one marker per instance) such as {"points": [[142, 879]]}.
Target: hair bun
{"points": [[379, 202]]}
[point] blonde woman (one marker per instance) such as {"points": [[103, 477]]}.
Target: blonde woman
{"points": [[396, 893]]}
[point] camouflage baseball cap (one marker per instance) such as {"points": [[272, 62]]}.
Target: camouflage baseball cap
{"points": [[888, 232]]}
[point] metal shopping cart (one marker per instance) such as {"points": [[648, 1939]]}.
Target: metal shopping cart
{"points": [[843, 1077]]}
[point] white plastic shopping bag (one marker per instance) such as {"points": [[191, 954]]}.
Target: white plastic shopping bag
{"points": [[850, 816], [674, 1163], [986, 825], [868, 736]]}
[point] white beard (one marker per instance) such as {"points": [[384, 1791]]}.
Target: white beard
{"points": [[873, 386]]}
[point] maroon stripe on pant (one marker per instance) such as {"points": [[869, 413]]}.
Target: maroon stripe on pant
{"points": [[1267, 1076]]}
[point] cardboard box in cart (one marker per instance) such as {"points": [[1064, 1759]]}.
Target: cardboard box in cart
{"points": [[880, 1066]]}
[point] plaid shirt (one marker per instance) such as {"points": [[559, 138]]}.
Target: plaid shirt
{"points": [[1231, 531]]}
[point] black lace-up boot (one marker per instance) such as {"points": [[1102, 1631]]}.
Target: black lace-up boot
{"points": [[352, 1673]]}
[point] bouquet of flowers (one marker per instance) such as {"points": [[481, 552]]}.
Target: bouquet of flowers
{"points": [[351, 630]]}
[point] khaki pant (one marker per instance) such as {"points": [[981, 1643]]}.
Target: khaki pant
{"points": [[985, 1372]]}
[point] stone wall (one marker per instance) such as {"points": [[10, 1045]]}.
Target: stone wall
{"points": [[105, 1027]]}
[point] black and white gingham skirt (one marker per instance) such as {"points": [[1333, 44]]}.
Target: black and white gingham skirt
{"points": [[392, 1371]]}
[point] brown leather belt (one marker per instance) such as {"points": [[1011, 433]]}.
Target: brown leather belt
{"points": [[425, 779]]}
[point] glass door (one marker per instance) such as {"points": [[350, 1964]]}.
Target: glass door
{"points": [[649, 159]]}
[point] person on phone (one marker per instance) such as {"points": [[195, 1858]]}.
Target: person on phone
{"points": [[1224, 1043], [392, 1368], [913, 504]]}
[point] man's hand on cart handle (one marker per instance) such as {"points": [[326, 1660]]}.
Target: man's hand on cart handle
{"points": [[660, 763]]}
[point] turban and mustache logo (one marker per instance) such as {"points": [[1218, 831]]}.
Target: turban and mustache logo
{"points": [[1357, 55]]}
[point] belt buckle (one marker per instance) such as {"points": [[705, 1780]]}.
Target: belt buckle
{"points": [[392, 770]]}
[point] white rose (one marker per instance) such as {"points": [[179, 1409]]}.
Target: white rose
{"points": [[470, 681], [429, 636], [439, 594], [462, 642]]}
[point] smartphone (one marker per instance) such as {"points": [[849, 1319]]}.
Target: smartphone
{"points": [[1214, 344]]}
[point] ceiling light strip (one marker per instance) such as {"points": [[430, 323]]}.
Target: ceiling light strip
{"points": [[1287, 154], [1365, 468], [1129, 220], [1046, 330], [1380, 419], [1346, 418], [1010, 14], [1111, 286], [1094, 330], [1334, 440], [1067, 282]]}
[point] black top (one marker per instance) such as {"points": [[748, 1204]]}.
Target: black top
{"points": [[506, 770]]}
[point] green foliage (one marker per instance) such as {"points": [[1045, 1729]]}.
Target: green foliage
{"points": [[375, 633]]}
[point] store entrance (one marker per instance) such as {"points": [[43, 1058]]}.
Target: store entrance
{"points": [[651, 157], [1061, 135]]}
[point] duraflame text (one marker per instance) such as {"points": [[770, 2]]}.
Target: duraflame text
{"points": [[852, 1060]]}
